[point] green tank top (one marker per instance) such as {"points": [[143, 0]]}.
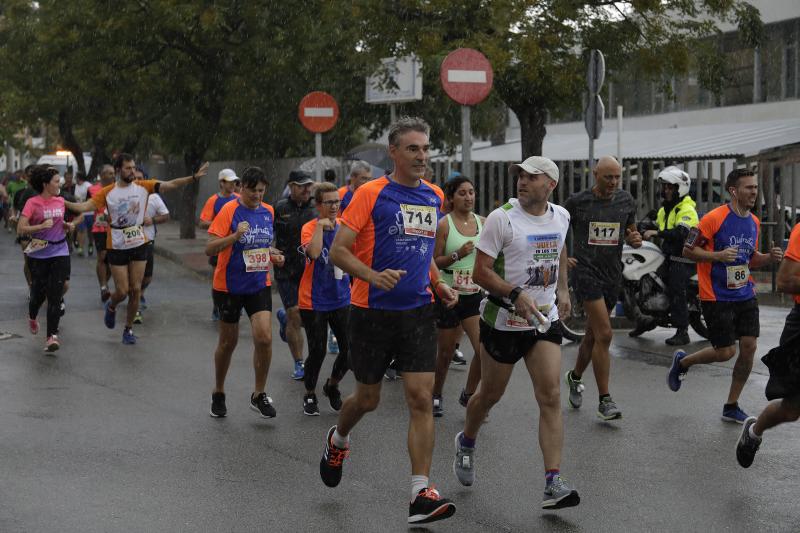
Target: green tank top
{"points": [[459, 274]]}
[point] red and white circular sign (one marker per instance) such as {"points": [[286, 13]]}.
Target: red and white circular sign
{"points": [[318, 112], [466, 76]]}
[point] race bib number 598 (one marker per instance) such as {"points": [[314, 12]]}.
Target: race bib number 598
{"points": [[419, 220]]}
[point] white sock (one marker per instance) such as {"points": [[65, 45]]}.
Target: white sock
{"points": [[338, 440], [417, 484], [753, 433]]}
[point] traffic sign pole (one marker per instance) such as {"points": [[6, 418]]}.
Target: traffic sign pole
{"points": [[318, 113], [318, 156], [595, 111], [466, 142]]}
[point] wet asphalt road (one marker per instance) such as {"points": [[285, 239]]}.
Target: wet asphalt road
{"points": [[106, 437]]}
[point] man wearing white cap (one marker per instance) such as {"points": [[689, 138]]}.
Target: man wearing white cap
{"points": [[227, 184], [522, 262], [601, 216]]}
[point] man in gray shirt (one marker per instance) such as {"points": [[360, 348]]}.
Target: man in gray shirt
{"points": [[600, 217]]}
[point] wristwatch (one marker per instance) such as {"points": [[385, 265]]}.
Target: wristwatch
{"points": [[454, 256], [514, 294]]}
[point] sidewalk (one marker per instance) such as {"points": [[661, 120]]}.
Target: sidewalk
{"points": [[189, 253]]}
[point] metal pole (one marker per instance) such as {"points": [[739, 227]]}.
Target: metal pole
{"points": [[591, 155], [619, 134], [392, 113], [318, 156], [466, 142]]}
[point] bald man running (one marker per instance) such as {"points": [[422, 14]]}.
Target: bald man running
{"points": [[600, 218]]}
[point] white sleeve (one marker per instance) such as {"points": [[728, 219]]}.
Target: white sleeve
{"points": [[493, 234], [158, 204]]}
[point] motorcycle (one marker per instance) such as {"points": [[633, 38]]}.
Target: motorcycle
{"points": [[645, 299]]}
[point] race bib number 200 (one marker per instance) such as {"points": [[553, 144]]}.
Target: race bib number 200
{"points": [[419, 220], [604, 233], [133, 236]]}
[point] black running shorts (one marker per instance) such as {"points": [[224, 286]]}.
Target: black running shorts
{"points": [[728, 321], [508, 347], [588, 288], [125, 257], [99, 241], [468, 306], [230, 305], [148, 269], [378, 336]]}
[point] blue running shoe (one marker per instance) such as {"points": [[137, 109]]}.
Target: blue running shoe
{"points": [[281, 314], [676, 373], [299, 371], [110, 317], [333, 344], [128, 337], [734, 414]]}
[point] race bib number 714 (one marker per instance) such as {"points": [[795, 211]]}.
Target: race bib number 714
{"points": [[419, 220]]}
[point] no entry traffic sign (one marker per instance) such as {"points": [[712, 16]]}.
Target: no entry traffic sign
{"points": [[466, 76], [318, 112]]}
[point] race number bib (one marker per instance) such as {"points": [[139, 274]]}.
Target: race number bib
{"points": [[462, 281], [604, 233], [738, 276], [516, 321], [256, 260], [133, 236], [419, 220], [35, 245]]}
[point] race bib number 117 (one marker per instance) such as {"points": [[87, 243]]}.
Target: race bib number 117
{"points": [[604, 233]]}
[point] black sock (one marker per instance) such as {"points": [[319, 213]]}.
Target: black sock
{"points": [[604, 396], [730, 405], [575, 377]]}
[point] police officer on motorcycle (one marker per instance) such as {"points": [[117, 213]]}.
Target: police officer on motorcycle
{"points": [[675, 218]]}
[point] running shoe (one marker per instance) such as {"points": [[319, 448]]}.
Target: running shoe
{"points": [[137, 318], [558, 495], [91, 251], [218, 409], [110, 317], [429, 506], [608, 410], [464, 463], [391, 373], [62, 307], [52, 344], [33, 326], [676, 373], [299, 371], [438, 408], [281, 314], [310, 406], [576, 388], [105, 294], [463, 398], [334, 395], [80, 252], [142, 303], [262, 404], [747, 445], [458, 358], [330, 466], [333, 344], [734, 414], [128, 337]]}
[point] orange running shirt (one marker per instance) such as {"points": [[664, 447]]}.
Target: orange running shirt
{"points": [[793, 251]]}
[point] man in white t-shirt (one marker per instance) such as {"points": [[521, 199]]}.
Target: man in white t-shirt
{"points": [[156, 213], [81, 191], [522, 262]]}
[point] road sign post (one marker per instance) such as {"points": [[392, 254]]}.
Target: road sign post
{"points": [[318, 113], [467, 78], [595, 110]]}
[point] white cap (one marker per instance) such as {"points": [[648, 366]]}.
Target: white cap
{"points": [[536, 165], [227, 174]]}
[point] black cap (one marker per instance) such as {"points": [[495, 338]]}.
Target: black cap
{"points": [[299, 177]]}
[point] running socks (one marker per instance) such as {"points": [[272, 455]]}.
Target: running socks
{"points": [[575, 377], [467, 442], [418, 483], [752, 432], [603, 396], [338, 440], [550, 475]]}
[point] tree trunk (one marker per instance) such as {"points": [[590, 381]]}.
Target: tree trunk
{"points": [[99, 156], [69, 140], [532, 129], [192, 161]]}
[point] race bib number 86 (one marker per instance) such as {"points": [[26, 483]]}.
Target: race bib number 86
{"points": [[419, 220], [738, 276]]}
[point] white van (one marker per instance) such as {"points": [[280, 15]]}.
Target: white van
{"points": [[63, 160]]}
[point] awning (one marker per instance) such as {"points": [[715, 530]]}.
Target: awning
{"points": [[696, 142]]}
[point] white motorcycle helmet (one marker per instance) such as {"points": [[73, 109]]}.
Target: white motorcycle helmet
{"points": [[678, 177]]}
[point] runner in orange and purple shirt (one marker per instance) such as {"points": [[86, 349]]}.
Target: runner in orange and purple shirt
{"points": [[725, 247], [241, 235], [324, 299], [783, 387], [360, 173], [386, 243]]}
